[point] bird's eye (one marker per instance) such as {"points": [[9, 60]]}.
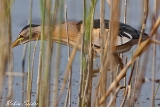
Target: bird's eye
{"points": [[20, 36]]}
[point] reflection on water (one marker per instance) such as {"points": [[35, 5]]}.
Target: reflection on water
{"points": [[20, 15]]}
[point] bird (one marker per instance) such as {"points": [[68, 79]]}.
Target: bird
{"points": [[126, 38]]}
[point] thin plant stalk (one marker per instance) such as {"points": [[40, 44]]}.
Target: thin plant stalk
{"points": [[32, 69], [145, 12], [109, 4], [5, 47], [125, 18], [103, 83], [154, 61], [115, 95], [48, 58], [58, 51], [29, 84], [126, 74], [156, 7], [144, 20], [89, 62], [23, 68], [56, 73], [88, 85], [153, 73], [39, 78], [109, 48], [10, 61], [127, 88], [125, 97], [68, 67], [125, 11], [40, 65], [79, 104], [112, 40], [3, 43], [69, 91]]}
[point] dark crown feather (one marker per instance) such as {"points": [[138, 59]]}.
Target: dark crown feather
{"points": [[27, 26]]}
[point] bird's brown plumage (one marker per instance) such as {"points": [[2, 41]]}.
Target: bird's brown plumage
{"points": [[60, 32]]}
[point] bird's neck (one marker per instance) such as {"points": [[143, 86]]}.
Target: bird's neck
{"points": [[61, 32], [64, 31]]}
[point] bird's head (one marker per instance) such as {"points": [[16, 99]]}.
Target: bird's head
{"points": [[28, 33]]}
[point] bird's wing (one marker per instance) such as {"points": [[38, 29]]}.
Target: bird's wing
{"points": [[123, 35], [126, 33]]}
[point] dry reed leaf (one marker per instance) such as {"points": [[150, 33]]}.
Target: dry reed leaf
{"points": [[15, 74], [155, 41]]}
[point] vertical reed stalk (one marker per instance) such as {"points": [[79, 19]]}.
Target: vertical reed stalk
{"points": [[157, 7], [32, 69], [125, 18], [58, 51], [56, 73], [48, 58], [23, 68], [68, 67], [125, 11], [153, 74], [87, 72], [114, 27], [145, 14], [82, 67], [69, 91], [103, 72], [5, 48], [88, 86], [109, 4], [10, 56], [29, 82], [144, 20], [154, 60], [40, 84]]}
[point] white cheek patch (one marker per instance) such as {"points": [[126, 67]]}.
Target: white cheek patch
{"points": [[122, 40]]}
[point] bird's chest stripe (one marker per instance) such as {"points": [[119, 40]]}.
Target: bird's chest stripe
{"points": [[124, 38], [125, 34]]}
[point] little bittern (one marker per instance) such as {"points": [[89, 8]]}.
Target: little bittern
{"points": [[127, 36]]}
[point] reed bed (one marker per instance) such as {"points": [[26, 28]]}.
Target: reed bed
{"points": [[112, 68]]}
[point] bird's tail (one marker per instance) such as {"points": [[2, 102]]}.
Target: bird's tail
{"points": [[144, 36]]}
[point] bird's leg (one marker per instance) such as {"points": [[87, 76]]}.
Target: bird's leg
{"points": [[96, 51], [121, 66], [119, 61], [96, 70]]}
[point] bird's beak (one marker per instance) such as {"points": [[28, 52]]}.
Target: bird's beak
{"points": [[17, 42]]}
